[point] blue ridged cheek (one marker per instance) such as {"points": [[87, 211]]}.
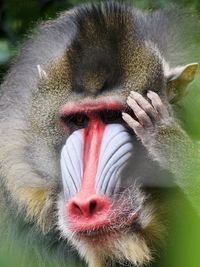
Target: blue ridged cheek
{"points": [[116, 151], [72, 164]]}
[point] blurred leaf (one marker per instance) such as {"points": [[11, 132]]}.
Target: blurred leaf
{"points": [[6, 51]]}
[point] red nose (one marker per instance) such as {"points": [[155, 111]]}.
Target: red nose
{"points": [[88, 213], [93, 206]]}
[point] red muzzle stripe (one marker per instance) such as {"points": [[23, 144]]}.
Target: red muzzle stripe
{"points": [[92, 140]]}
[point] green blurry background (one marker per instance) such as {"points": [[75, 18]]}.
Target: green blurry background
{"points": [[17, 18]]}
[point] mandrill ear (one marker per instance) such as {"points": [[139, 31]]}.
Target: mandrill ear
{"points": [[178, 79]]}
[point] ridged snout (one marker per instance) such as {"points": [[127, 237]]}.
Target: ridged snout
{"points": [[116, 151], [88, 195]]}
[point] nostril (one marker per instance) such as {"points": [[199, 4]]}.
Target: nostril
{"points": [[84, 208], [76, 209], [92, 206], [88, 207]]}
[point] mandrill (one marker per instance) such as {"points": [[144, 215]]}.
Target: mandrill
{"points": [[87, 132]]}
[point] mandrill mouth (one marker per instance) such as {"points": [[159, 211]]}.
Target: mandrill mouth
{"points": [[110, 230], [124, 215], [127, 233]]}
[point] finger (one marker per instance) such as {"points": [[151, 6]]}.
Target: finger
{"points": [[145, 105], [157, 104], [141, 115], [133, 124]]}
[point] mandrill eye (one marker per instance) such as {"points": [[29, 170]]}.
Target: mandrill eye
{"points": [[79, 120], [111, 116]]}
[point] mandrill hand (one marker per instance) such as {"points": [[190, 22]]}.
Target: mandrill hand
{"points": [[151, 116]]}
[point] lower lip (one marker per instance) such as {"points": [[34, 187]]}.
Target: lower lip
{"points": [[99, 239], [102, 233], [98, 234]]}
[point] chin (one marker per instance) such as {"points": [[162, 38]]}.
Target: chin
{"points": [[128, 235]]}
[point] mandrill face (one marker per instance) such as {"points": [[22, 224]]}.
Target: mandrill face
{"points": [[102, 209]]}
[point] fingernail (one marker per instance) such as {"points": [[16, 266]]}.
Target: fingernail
{"points": [[151, 92], [124, 114], [134, 93]]}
